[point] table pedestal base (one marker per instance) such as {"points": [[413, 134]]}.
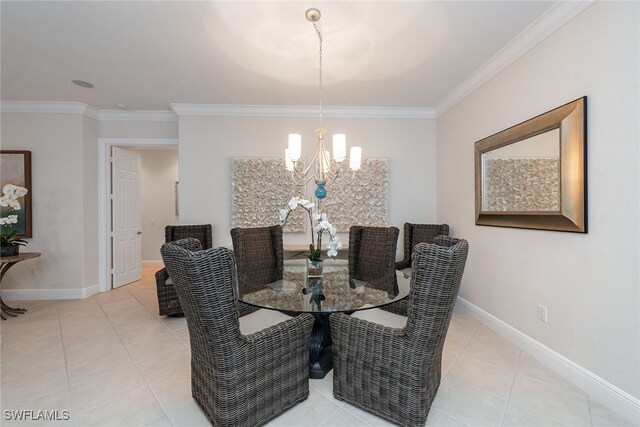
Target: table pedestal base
{"points": [[320, 348], [7, 263]]}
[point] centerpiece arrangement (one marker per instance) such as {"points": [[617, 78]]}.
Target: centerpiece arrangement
{"points": [[319, 224], [10, 242]]}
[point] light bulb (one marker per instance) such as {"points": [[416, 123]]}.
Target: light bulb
{"points": [[355, 158], [287, 160], [339, 147], [295, 146]]}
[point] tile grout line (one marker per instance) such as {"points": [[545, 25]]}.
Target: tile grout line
{"points": [[66, 367], [513, 380], [135, 364], [464, 347], [589, 411]]}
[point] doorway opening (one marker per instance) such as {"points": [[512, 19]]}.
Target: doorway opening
{"points": [[136, 199]]}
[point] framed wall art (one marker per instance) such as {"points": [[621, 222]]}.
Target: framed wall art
{"points": [[15, 168]]}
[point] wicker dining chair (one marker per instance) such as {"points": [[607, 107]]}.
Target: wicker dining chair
{"points": [[372, 257], [418, 233], [238, 380], [394, 371], [168, 302], [259, 256]]}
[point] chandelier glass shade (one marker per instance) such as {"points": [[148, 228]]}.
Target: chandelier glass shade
{"points": [[323, 167]]}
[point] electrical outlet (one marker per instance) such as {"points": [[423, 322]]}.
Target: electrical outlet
{"points": [[542, 312], [33, 271]]}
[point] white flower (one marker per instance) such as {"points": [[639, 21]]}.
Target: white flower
{"points": [[21, 191], [306, 204], [4, 201], [9, 190], [293, 203], [324, 224], [323, 217], [4, 221], [333, 246], [315, 216], [283, 215], [14, 204], [332, 231], [12, 219]]}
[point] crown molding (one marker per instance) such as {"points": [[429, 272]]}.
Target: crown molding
{"points": [[224, 110], [137, 116], [561, 13], [46, 107]]}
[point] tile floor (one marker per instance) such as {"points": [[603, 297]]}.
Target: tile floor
{"points": [[111, 360]]}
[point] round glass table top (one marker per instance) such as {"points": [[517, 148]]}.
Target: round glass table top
{"points": [[335, 291]]}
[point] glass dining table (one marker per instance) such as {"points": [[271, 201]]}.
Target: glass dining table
{"points": [[334, 292]]}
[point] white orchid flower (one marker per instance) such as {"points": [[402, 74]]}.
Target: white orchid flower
{"points": [[324, 224], [21, 191], [332, 231], [9, 189], [306, 204], [4, 201], [293, 203], [323, 217], [315, 216], [12, 219], [14, 204]]}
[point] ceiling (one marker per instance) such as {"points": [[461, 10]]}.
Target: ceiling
{"points": [[147, 54]]}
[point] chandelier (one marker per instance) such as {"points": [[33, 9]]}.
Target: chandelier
{"points": [[323, 167]]}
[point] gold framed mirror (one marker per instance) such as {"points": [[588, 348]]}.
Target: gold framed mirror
{"points": [[534, 174]]}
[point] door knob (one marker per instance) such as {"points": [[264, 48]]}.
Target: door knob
{"points": [[139, 232]]}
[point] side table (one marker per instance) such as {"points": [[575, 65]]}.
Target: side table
{"points": [[5, 264]]}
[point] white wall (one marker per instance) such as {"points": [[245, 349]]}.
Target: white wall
{"points": [[208, 143], [90, 199], [159, 172], [138, 129], [589, 282], [64, 196]]}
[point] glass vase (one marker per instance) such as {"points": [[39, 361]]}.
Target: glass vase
{"points": [[314, 268]]}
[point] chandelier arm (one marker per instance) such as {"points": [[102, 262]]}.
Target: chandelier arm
{"points": [[300, 181], [353, 176], [302, 173]]}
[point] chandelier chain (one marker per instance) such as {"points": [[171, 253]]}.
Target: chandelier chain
{"points": [[315, 26]]}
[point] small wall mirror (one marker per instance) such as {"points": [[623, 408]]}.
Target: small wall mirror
{"points": [[533, 175]]}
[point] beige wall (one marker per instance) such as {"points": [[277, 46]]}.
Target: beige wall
{"points": [[90, 199], [159, 172], [138, 129], [64, 195], [208, 143], [589, 282]]}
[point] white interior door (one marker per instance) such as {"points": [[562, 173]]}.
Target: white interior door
{"points": [[125, 215]]}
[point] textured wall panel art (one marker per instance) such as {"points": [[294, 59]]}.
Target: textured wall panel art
{"points": [[364, 201], [259, 188], [522, 185]]}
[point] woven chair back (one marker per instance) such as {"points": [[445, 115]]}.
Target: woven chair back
{"points": [[372, 256], [203, 232], [437, 273], [205, 283], [259, 256]]}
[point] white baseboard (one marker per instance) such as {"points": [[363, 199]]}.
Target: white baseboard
{"points": [[48, 294], [619, 401]]}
